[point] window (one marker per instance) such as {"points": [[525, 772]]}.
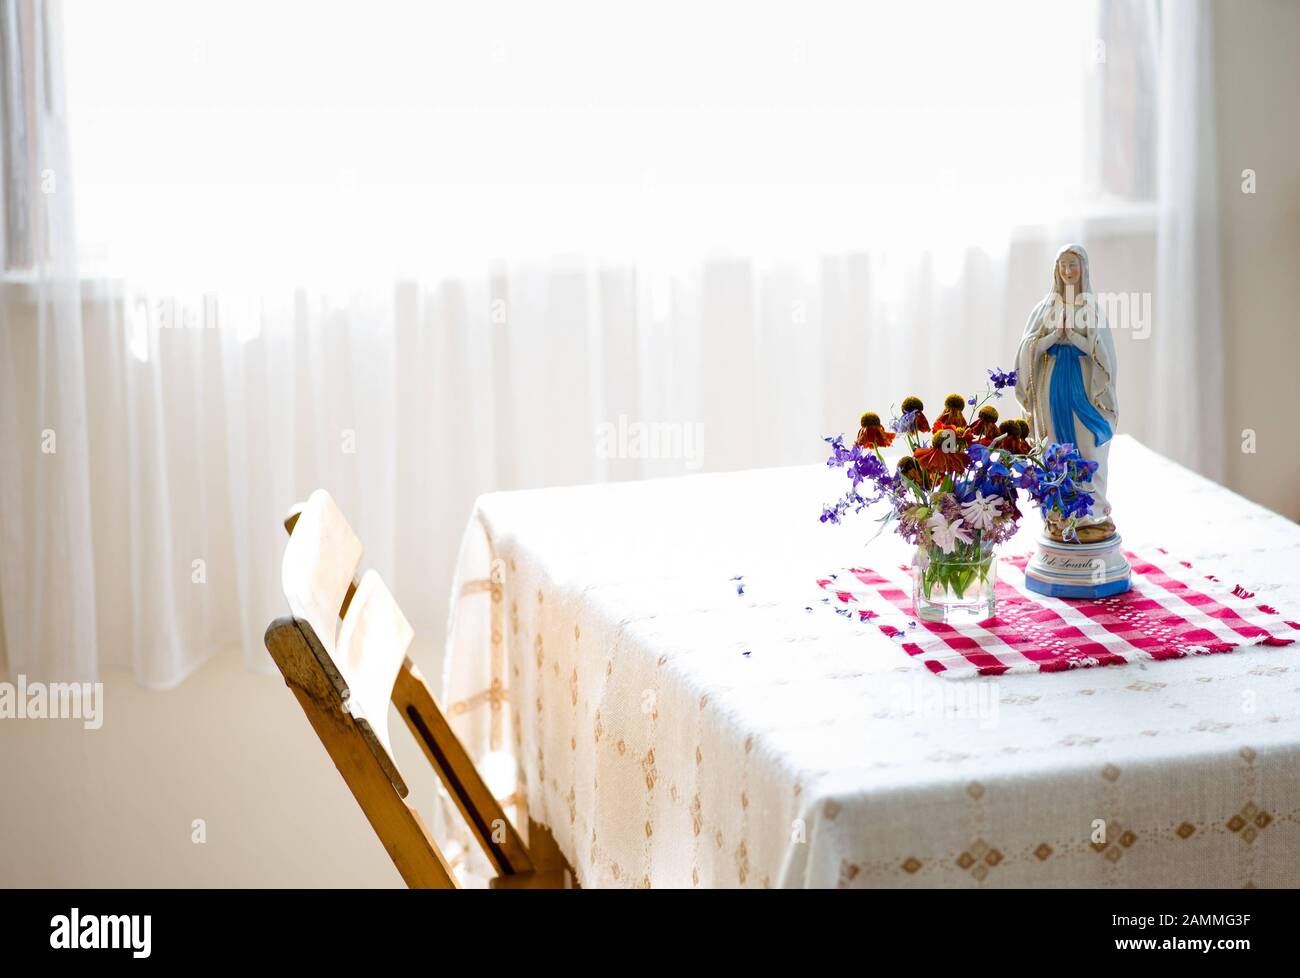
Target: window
{"points": [[338, 139]]}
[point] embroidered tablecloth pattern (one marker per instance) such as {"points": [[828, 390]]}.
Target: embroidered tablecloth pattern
{"points": [[681, 712]]}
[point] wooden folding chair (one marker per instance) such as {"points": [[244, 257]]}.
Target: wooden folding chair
{"points": [[343, 653]]}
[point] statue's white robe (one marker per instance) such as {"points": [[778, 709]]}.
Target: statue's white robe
{"points": [[1085, 328]]}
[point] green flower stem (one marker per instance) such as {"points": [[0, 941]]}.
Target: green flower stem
{"points": [[968, 566]]}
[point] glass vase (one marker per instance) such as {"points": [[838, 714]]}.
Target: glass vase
{"points": [[955, 588]]}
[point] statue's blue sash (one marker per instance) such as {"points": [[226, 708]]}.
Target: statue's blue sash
{"points": [[1069, 399]]}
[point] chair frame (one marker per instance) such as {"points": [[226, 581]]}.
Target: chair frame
{"points": [[377, 785]]}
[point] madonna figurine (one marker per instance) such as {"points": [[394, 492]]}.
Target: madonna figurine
{"points": [[1065, 380]]}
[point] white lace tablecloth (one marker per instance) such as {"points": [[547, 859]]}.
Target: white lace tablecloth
{"points": [[672, 731]]}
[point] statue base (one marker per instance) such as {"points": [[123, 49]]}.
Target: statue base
{"points": [[1078, 570]]}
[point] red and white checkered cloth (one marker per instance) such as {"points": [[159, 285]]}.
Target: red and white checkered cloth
{"points": [[1171, 611]]}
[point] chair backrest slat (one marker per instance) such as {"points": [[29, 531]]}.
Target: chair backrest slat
{"points": [[372, 644], [319, 563], [364, 650]]}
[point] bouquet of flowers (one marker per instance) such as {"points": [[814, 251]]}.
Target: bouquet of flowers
{"points": [[955, 493]]}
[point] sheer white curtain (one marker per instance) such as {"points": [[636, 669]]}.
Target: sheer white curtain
{"points": [[774, 222], [407, 404], [47, 570], [1188, 342]]}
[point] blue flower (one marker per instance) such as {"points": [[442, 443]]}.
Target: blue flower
{"points": [[1057, 483]]}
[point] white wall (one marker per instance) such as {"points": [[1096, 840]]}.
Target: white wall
{"points": [[1257, 76]]}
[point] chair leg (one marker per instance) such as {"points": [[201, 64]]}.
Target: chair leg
{"points": [[482, 812]]}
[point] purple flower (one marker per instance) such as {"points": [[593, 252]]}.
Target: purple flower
{"points": [[947, 504], [905, 424], [867, 467], [1002, 531], [1002, 379], [861, 466]]}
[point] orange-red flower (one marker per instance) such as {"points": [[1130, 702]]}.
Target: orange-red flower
{"points": [[919, 423], [952, 412], [909, 469], [947, 451], [985, 427], [872, 434], [1013, 439]]}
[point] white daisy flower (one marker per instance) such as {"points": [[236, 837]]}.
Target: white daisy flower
{"points": [[981, 511], [945, 534]]}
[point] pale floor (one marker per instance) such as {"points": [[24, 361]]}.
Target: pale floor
{"points": [[115, 806]]}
